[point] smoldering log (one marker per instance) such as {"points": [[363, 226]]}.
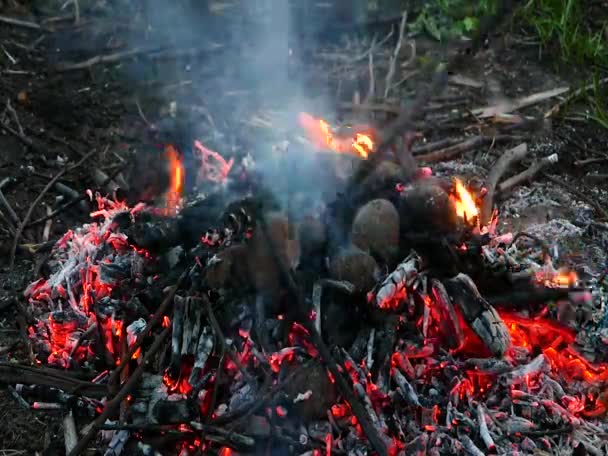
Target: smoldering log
{"points": [[177, 334], [397, 281], [449, 323], [478, 313]]}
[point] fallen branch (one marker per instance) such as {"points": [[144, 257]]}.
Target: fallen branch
{"points": [[528, 174], [154, 53], [507, 159], [112, 405], [11, 373], [450, 153], [507, 107]]}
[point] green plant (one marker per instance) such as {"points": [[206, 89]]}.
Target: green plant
{"points": [[563, 23], [447, 19]]}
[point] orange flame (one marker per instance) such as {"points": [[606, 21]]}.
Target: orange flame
{"points": [[322, 137], [173, 195], [464, 202]]}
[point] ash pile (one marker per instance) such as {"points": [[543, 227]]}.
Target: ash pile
{"points": [[396, 319]]}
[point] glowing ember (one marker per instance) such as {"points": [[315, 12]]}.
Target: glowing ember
{"points": [[464, 202], [214, 168], [322, 137]]}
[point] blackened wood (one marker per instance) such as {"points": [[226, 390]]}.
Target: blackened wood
{"points": [[479, 314]]}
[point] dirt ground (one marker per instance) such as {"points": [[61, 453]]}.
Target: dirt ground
{"points": [[65, 115]]}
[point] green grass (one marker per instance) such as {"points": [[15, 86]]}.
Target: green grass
{"points": [[563, 24]]}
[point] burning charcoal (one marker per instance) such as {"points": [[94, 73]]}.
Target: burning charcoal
{"points": [[405, 388], [376, 229], [203, 351], [322, 397], [393, 288], [179, 308], [356, 267], [173, 257], [192, 317], [470, 447], [114, 272], [536, 366], [117, 444], [479, 314], [155, 235]]}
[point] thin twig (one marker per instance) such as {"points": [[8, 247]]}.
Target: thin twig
{"points": [[20, 23], [372, 79], [71, 203], [9, 210], [35, 203], [393, 61], [456, 150]]}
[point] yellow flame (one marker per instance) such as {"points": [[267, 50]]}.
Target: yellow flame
{"points": [[465, 205]]}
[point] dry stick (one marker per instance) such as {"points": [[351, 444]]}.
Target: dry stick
{"points": [[9, 210], [491, 111], [454, 151], [21, 226], [156, 318], [111, 406], [372, 79], [123, 55], [34, 375], [20, 23], [431, 147], [357, 407], [502, 165], [393, 62], [71, 203], [529, 173], [577, 93]]}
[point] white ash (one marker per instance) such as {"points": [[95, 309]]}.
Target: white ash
{"points": [[554, 230]]}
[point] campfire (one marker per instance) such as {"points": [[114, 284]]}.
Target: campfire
{"points": [[406, 343]]}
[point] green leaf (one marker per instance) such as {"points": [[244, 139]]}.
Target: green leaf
{"points": [[431, 27], [470, 23]]}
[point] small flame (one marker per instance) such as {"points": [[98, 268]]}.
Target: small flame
{"points": [[322, 137], [464, 202], [173, 195]]}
